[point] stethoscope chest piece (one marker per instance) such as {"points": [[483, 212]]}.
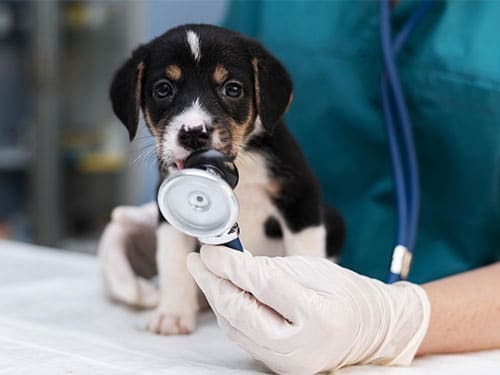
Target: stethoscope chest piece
{"points": [[199, 200], [198, 203]]}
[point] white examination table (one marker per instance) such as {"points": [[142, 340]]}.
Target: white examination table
{"points": [[55, 319]]}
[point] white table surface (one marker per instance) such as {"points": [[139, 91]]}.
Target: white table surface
{"points": [[55, 319]]}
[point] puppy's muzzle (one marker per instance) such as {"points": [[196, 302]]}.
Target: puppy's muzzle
{"points": [[194, 138]]}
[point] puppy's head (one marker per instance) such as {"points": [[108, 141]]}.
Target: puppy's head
{"points": [[201, 87]]}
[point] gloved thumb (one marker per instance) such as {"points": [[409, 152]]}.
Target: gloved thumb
{"points": [[258, 276]]}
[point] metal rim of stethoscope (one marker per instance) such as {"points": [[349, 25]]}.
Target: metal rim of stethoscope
{"points": [[405, 165], [192, 198]]}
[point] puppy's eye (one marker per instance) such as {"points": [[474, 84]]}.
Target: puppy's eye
{"points": [[163, 89], [233, 89]]}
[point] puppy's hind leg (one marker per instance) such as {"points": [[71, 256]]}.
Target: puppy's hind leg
{"points": [[126, 256]]}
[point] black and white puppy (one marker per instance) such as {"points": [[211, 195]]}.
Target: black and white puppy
{"points": [[201, 87]]}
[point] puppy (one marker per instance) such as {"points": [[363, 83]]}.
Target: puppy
{"points": [[205, 87]]}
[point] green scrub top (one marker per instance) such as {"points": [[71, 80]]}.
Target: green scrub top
{"points": [[450, 71]]}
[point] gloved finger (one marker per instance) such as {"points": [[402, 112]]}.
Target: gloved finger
{"points": [[280, 363], [256, 320], [259, 276]]}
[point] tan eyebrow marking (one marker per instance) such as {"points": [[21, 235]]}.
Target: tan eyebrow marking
{"points": [[149, 122], [138, 90], [240, 130], [255, 66], [220, 74], [173, 72]]}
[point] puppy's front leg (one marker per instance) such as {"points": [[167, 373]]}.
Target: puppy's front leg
{"points": [[176, 312]]}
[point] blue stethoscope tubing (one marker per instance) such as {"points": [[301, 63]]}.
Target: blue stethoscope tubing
{"points": [[235, 244], [405, 165], [399, 130]]}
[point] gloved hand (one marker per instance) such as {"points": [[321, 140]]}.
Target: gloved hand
{"points": [[127, 251], [302, 315]]}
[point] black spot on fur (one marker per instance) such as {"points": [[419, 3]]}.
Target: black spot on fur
{"points": [[272, 228], [335, 230]]}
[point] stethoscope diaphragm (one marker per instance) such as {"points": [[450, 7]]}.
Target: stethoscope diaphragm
{"points": [[198, 203]]}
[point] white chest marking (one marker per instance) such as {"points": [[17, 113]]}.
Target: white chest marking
{"points": [[255, 206], [194, 44], [310, 241]]}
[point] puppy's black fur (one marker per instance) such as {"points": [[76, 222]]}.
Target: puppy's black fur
{"points": [[228, 63]]}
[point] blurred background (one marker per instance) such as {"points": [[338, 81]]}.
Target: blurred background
{"points": [[65, 160]]}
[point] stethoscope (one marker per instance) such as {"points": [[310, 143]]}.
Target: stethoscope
{"points": [[199, 200], [401, 143]]}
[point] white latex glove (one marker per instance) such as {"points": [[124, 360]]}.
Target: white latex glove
{"points": [[127, 251], [302, 315]]}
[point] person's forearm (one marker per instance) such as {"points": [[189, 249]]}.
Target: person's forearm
{"points": [[465, 312]]}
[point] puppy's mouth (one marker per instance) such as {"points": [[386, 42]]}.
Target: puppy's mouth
{"points": [[179, 163], [175, 154], [176, 157], [180, 157]]}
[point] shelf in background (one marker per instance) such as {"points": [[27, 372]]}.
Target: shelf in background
{"points": [[14, 158]]}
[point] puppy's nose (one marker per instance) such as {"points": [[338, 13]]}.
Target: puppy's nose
{"points": [[194, 138]]}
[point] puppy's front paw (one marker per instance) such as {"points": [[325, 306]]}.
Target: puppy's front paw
{"points": [[166, 323]]}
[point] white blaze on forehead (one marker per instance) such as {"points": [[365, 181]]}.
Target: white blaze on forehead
{"points": [[194, 44], [193, 116]]}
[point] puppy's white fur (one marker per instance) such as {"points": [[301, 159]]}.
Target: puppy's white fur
{"points": [[309, 241], [193, 41], [176, 312], [193, 116], [257, 128], [145, 215], [121, 282], [255, 205]]}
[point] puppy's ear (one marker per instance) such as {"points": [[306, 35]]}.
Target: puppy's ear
{"points": [[273, 86], [126, 90]]}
